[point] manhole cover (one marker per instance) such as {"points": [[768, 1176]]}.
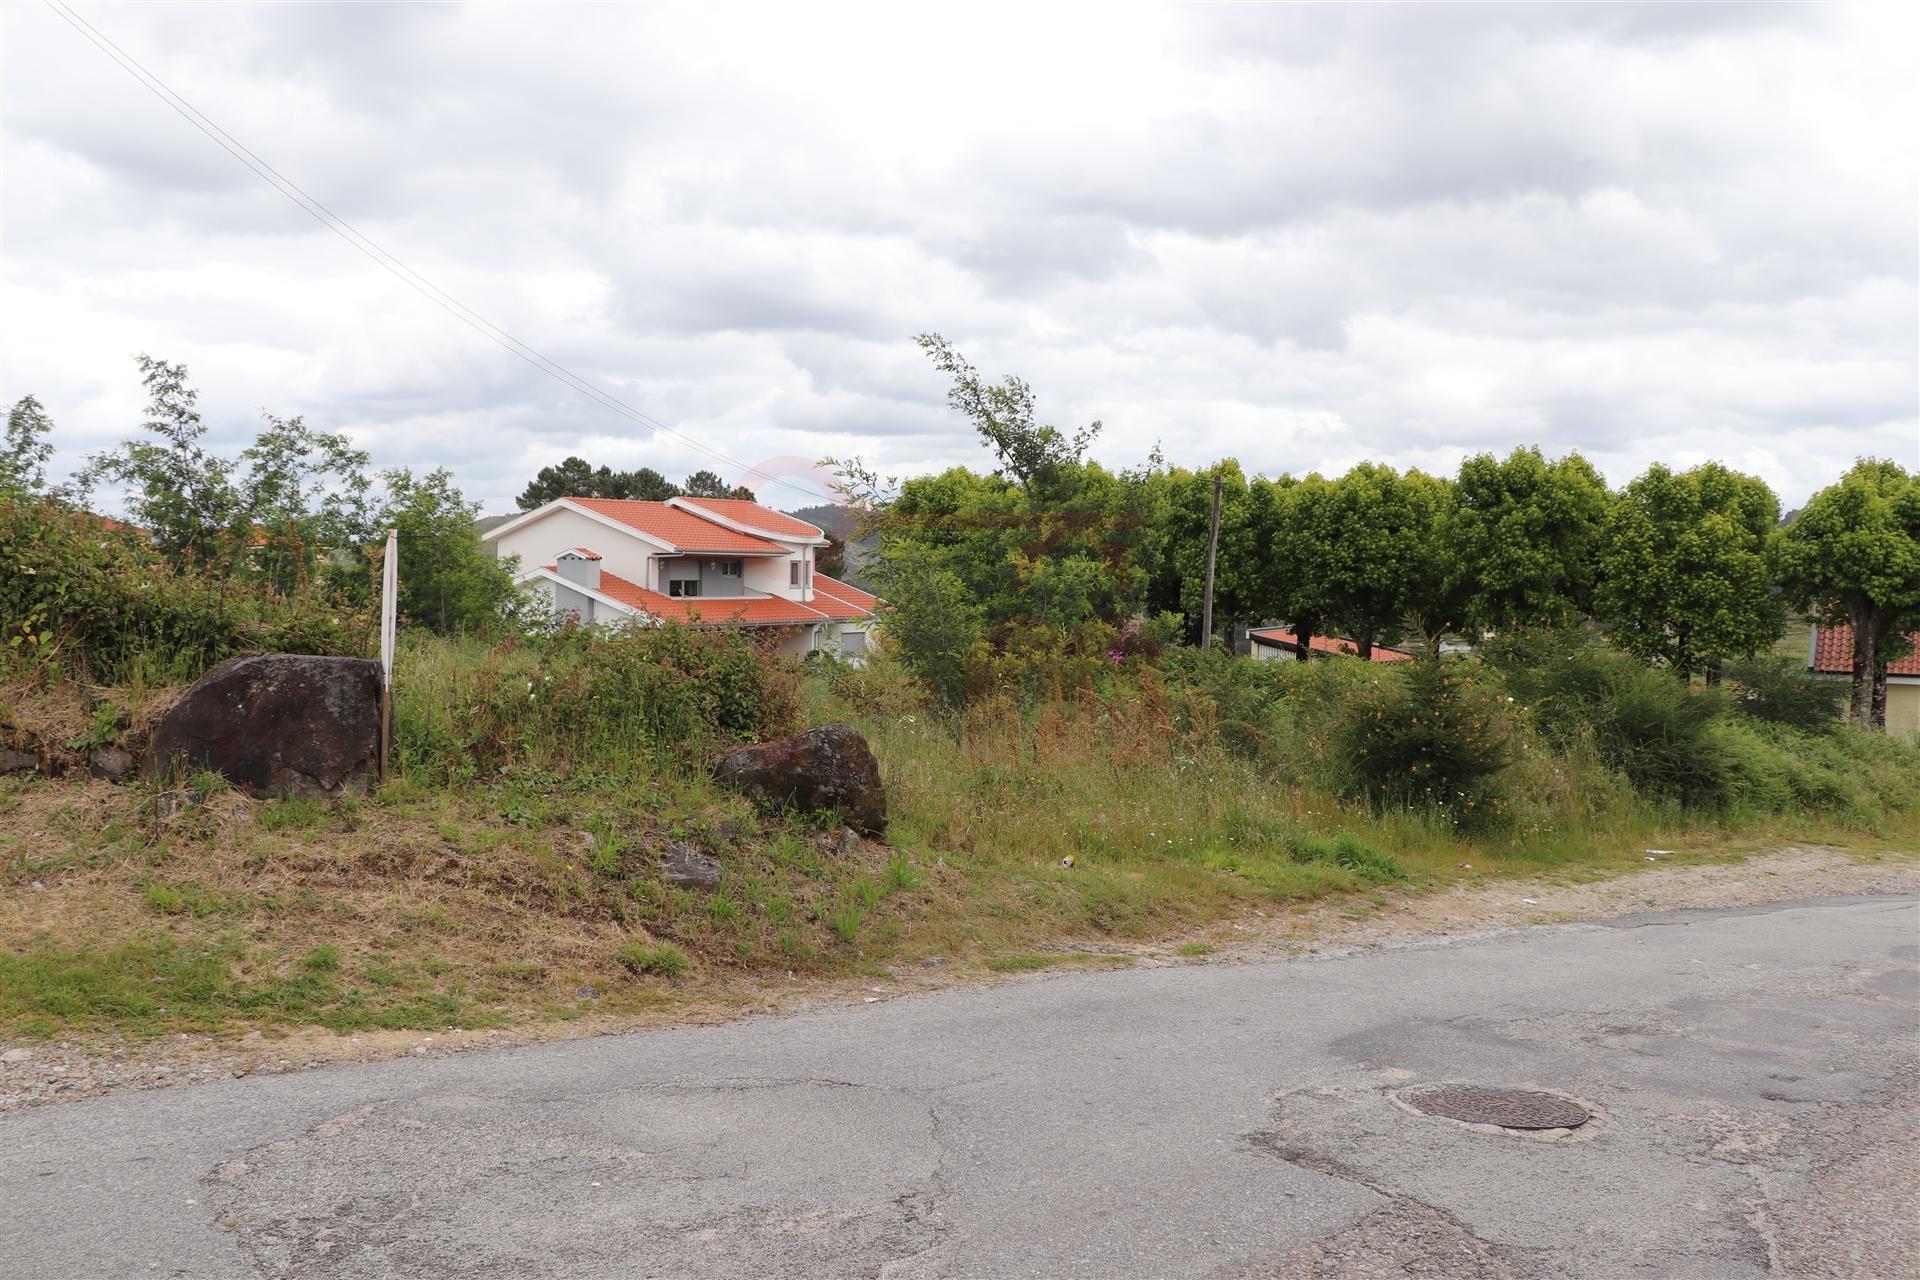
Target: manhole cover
{"points": [[1508, 1108]]}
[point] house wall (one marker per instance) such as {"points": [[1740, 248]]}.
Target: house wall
{"points": [[621, 554], [770, 575], [702, 569], [567, 599], [1903, 708]]}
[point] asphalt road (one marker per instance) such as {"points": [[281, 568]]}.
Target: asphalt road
{"points": [[1752, 1075]]}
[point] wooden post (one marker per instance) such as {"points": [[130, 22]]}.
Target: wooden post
{"points": [[1213, 547], [389, 614]]}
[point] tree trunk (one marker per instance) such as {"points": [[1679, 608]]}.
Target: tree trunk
{"points": [[1363, 644], [1433, 644], [1877, 703], [1713, 672], [1303, 633], [1864, 647]]}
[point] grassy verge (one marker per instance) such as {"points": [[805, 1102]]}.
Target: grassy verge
{"points": [[531, 890]]}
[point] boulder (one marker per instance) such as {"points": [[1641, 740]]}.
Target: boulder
{"points": [[828, 770], [688, 868], [277, 725], [169, 805], [114, 764], [12, 761]]}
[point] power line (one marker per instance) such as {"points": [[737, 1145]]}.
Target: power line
{"points": [[393, 265]]}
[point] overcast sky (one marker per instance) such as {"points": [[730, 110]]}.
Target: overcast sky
{"points": [[1296, 236]]}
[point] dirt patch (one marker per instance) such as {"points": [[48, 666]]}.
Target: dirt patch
{"points": [[56, 1071]]}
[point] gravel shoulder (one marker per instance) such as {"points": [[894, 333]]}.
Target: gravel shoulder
{"points": [[45, 1072]]}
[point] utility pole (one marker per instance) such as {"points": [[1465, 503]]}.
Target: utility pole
{"points": [[1213, 548]]}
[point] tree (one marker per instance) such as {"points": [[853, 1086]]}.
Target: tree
{"points": [[25, 450], [1442, 591], [449, 581], [1527, 533], [1003, 415], [1852, 556], [1295, 534], [1176, 506], [305, 493], [932, 618], [708, 484], [576, 478], [1380, 527], [1683, 577], [183, 495]]}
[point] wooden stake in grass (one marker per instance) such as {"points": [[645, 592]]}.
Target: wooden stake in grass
{"points": [[1213, 547]]}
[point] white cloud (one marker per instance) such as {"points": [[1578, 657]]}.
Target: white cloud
{"points": [[1297, 235]]}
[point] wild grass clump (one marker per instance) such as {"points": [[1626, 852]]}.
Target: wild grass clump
{"points": [[660, 959]]}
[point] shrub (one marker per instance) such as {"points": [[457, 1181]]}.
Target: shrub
{"points": [[94, 600], [1661, 734], [662, 959], [1780, 690], [1431, 737], [585, 696]]}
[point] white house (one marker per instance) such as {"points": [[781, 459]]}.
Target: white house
{"points": [[704, 561]]}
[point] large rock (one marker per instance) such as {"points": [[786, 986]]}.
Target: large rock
{"points": [[278, 725], [828, 770]]}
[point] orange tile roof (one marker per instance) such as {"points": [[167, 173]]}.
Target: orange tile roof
{"points": [[755, 516], [1833, 653], [839, 601], [707, 610], [683, 530], [1330, 645]]}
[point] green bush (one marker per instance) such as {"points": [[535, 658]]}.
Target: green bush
{"points": [[1780, 690], [1432, 736], [90, 598], [605, 697]]}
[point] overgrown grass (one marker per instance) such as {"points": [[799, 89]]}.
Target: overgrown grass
{"points": [[510, 870]]}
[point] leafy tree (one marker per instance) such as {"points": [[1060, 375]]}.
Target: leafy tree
{"points": [[577, 478], [449, 580], [24, 451], [1381, 528], [1003, 414], [305, 493], [1296, 535], [1852, 556], [932, 618], [183, 495], [1177, 508], [1441, 592], [708, 484], [1683, 577], [1527, 533]]}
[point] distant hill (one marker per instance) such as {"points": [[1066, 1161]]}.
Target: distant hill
{"points": [[835, 519]]}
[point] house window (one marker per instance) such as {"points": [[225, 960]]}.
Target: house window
{"points": [[729, 568], [683, 587], [793, 573]]}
